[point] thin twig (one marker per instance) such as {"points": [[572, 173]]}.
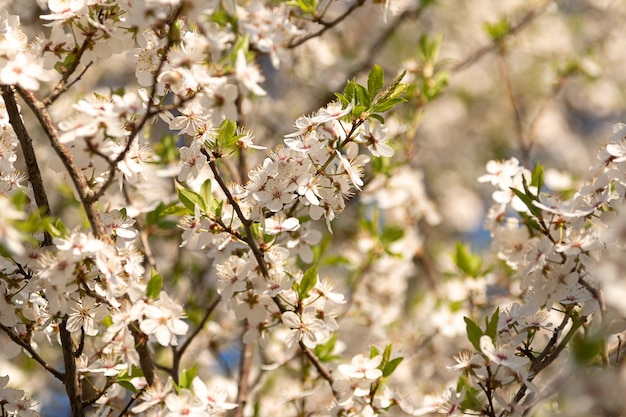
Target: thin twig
{"points": [[327, 25], [132, 400], [63, 85], [178, 352], [60, 89], [149, 112], [517, 115], [484, 50]]}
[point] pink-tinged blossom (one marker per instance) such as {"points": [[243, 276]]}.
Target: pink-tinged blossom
{"points": [[212, 396], [22, 70], [278, 224], [332, 111], [191, 161], [302, 240], [185, 404], [248, 74], [253, 307], [362, 367], [306, 328], [86, 314], [502, 355], [153, 396], [195, 230], [63, 10], [375, 137], [232, 275], [164, 320]]}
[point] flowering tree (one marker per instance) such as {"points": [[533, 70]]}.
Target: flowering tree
{"points": [[163, 254]]}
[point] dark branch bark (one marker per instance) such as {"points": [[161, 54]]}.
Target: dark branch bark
{"points": [[32, 167]]}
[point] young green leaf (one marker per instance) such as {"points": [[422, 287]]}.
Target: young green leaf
{"points": [[492, 324], [187, 376], [190, 199], [308, 282], [474, 332], [375, 80], [467, 262], [153, 289], [391, 366]]}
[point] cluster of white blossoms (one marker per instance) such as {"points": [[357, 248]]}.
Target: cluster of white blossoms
{"points": [[556, 247], [161, 251], [15, 402], [90, 293]]}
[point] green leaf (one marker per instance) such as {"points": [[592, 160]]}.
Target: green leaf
{"points": [[392, 234], [388, 104], [325, 351], [528, 201], [344, 101], [187, 376], [378, 117], [391, 366], [471, 401], [374, 351], [375, 80], [124, 378], [363, 96], [308, 282], [492, 324], [467, 262], [153, 289], [358, 110], [205, 192], [174, 211], [190, 199], [537, 177], [587, 347], [498, 30], [349, 91], [386, 354], [57, 229], [474, 332]]}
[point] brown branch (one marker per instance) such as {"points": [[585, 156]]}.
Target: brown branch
{"points": [[484, 50], [32, 352], [48, 101], [245, 366], [30, 158], [317, 364], [379, 44], [78, 179], [327, 25], [71, 380], [250, 241], [145, 357]]}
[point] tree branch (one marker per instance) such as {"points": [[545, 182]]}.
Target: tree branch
{"points": [[479, 53], [30, 158], [76, 175], [245, 365], [327, 25], [71, 380], [33, 353]]}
